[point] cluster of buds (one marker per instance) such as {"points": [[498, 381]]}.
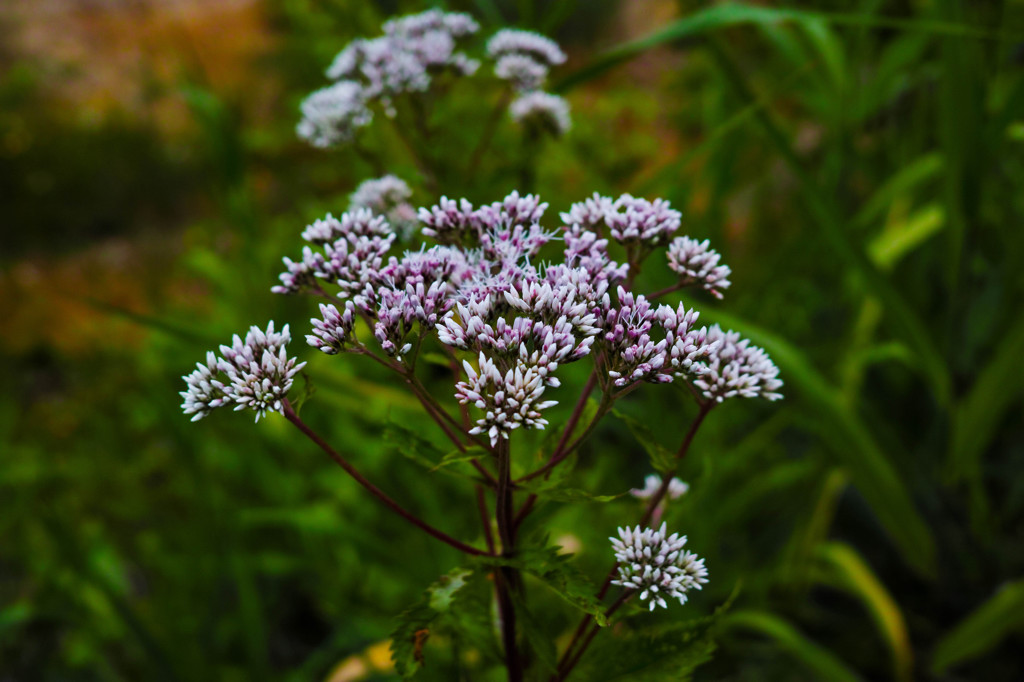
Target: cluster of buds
{"points": [[656, 564], [482, 290], [524, 58], [412, 50], [410, 54], [255, 373]]}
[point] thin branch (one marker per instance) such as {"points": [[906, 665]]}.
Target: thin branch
{"points": [[568, 662], [490, 128], [291, 416], [485, 518], [652, 505]]}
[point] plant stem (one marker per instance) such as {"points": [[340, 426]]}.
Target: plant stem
{"points": [[652, 505], [569, 661], [291, 416], [683, 449], [507, 576], [485, 518], [490, 128]]}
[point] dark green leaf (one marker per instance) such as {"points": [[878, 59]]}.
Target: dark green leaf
{"points": [[818, 660], [555, 571], [983, 629], [414, 626], [662, 459], [851, 443]]}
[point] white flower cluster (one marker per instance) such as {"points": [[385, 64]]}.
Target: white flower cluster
{"points": [[524, 58], [387, 196], [483, 291], [412, 50], [652, 484], [545, 112], [736, 368], [656, 564], [255, 373], [332, 115], [698, 263]]}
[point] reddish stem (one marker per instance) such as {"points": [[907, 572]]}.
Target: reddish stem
{"points": [[290, 415]]}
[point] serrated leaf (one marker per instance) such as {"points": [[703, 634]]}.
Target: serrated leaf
{"points": [[456, 456], [555, 571], [415, 625], [555, 493], [655, 653], [662, 459], [415, 448]]}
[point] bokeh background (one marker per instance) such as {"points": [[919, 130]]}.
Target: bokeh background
{"points": [[859, 163]]}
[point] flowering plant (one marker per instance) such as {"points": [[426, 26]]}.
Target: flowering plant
{"points": [[503, 298]]}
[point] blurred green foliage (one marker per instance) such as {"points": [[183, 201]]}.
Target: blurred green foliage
{"points": [[858, 163]]}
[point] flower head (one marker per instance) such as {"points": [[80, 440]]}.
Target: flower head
{"points": [[333, 114], [652, 484], [387, 196], [254, 373], [544, 111], [514, 41], [656, 563], [736, 368], [697, 263]]}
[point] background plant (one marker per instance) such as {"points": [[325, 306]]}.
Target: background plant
{"points": [[807, 136]]}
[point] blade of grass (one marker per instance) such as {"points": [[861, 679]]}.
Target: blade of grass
{"points": [[983, 629], [850, 442], [903, 318], [816, 658], [730, 14], [845, 569]]}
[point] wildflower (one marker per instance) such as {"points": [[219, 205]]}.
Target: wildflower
{"points": [[652, 484], [522, 71], [697, 263], [387, 196], [255, 373], [333, 114], [634, 220], [334, 330], [509, 400], [736, 368], [404, 59], [542, 111], [514, 41], [656, 563]]}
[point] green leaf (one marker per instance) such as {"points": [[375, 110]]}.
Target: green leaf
{"points": [[978, 414], [727, 15], [818, 660], [414, 626], [830, 219], [662, 459], [900, 237], [412, 445], [457, 456], [850, 442], [545, 490], [654, 653], [542, 642], [555, 571], [845, 569], [899, 185], [986, 627]]}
